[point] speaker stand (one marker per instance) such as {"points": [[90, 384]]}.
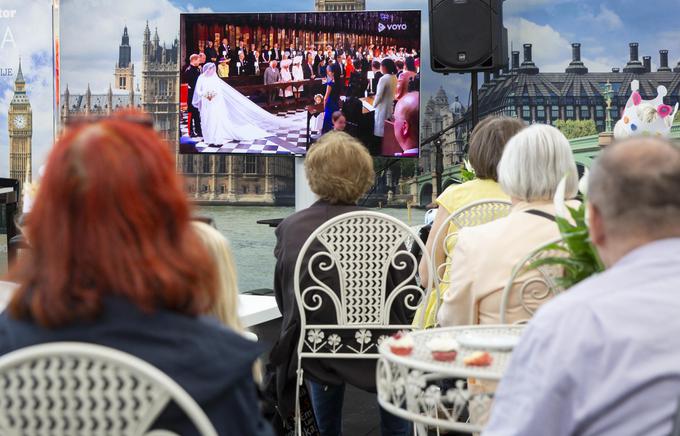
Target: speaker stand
{"points": [[475, 99]]}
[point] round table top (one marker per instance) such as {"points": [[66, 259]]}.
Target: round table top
{"points": [[421, 356]]}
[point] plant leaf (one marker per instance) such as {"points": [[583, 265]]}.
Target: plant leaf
{"points": [[583, 183], [558, 198]]}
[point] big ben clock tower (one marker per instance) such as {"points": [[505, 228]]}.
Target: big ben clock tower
{"points": [[20, 119]]}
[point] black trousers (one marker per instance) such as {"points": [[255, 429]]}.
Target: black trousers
{"points": [[195, 126]]}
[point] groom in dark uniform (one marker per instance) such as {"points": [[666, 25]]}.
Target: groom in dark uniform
{"points": [[190, 76]]}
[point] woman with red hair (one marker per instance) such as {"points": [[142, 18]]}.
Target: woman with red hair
{"points": [[114, 261]]}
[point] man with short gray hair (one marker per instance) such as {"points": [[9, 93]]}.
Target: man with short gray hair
{"points": [[271, 76], [604, 357], [635, 196]]}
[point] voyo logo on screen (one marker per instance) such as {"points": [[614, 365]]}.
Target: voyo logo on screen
{"points": [[399, 26]]}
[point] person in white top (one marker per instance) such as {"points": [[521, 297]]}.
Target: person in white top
{"points": [[286, 76], [298, 74], [384, 96]]}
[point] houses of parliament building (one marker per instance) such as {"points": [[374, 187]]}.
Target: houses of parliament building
{"points": [[526, 92], [218, 179]]}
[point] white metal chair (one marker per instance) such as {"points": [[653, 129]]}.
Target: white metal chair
{"points": [[529, 287], [79, 389], [676, 421], [363, 249], [474, 214]]}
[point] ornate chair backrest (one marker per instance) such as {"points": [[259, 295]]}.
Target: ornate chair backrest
{"points": [[362, 250], [71, 388], [474, 214], [530, 286]]}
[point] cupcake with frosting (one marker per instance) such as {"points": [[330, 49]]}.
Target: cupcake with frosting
{"points": [[443, 349], [401, 344]]}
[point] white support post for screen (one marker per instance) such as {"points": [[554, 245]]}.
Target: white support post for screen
{"points": [[304, 197]]}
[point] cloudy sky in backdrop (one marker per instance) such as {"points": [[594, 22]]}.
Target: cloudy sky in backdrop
{"points": [[91, 32]]}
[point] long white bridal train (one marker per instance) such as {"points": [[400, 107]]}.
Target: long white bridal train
{"points": [[227, 115]]}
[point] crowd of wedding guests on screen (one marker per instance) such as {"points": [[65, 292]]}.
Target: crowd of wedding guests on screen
{"points": [[334, 78], [115, 259]]}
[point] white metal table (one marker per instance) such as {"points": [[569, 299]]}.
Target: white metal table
{"points": [[435, 394], [257, 309]]}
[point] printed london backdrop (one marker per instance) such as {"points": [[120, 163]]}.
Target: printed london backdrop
{"points": [[25, 33], [91, 32], [603, 27]]}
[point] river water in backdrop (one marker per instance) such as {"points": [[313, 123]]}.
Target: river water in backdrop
{"points": [[253, 244]]}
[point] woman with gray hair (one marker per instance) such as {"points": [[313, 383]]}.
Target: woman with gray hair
{"points": [[533, 163]]}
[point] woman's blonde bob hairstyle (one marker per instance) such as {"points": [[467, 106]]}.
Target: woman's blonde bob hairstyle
{"points": [[533, 163], [339, 168], [226, 306]]}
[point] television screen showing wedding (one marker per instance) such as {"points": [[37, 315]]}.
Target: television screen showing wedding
{"points": [[273, 83]]}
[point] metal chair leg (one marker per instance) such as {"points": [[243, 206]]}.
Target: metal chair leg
{"points": [[676, 421], [298, 417]]}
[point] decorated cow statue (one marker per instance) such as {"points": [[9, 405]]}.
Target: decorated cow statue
{"points": [[645, 117]]}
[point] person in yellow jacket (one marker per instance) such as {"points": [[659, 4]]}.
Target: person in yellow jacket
{"points": [[223, 68], [487, 142]]}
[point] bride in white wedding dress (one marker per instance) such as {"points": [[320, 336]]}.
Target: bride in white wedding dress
{"points": [[227, 115]]}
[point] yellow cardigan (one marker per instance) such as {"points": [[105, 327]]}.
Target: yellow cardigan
{"points": [[452, 199]]}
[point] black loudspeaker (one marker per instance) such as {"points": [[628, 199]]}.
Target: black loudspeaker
{"points": [[467, 36]]}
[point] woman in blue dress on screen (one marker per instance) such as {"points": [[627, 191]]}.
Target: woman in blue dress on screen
{"points": [[331, 101]]}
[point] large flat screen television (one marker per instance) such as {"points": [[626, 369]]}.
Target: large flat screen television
{"points": [[273, 83]]}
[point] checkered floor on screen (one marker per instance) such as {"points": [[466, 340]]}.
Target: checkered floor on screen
{"points": [[284, 141]]}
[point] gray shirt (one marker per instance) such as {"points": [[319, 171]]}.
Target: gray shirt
{"points": [[602, 358], [271, 75]]}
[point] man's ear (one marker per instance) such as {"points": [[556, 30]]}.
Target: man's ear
{"points": [[595, 225], [405, 129]]}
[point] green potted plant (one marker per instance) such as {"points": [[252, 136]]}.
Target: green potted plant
{"points": [[580, 259]]}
